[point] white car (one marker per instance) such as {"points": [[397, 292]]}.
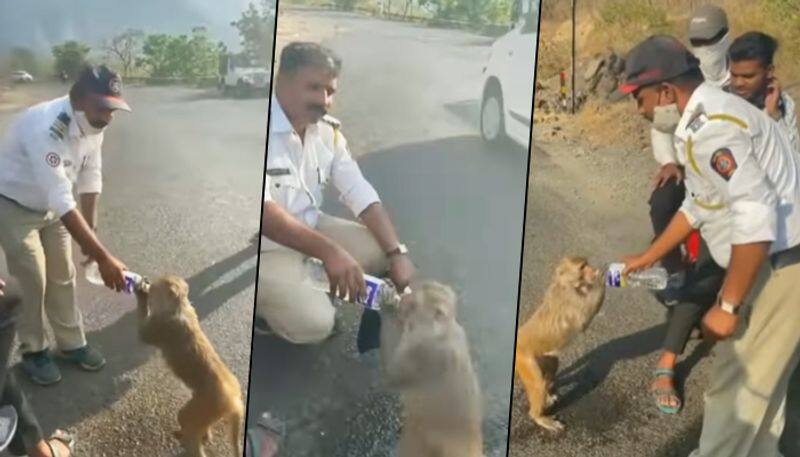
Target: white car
{"points": [[507, 100], [21, 76]]}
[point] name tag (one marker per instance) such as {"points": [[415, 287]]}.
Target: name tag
{"points": [[278, 171]]}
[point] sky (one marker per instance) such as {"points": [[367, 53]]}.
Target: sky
{"points": [[38, 24]]}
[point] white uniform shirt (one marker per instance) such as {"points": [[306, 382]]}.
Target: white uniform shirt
{"points": [[298, 172], [44, 154], [789, 121], [742, 176]]}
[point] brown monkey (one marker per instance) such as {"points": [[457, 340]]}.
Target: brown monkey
{"points": [[168, 321], [430, 367], [574, 297]]}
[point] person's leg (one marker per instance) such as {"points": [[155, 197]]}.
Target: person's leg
{"points": [[357, 240], [746, 398], [664, 202], [20, 240], [60, 301], [293, 309]]}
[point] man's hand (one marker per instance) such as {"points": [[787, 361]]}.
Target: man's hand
{"points": [[719, 325], [772, 101], [666, 173], [634, 263], [112, 271], [345, 275], [2, 286], [401, 271]]}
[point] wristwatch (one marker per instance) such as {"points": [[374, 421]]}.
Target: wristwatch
{"points": [[728, 307], [401, 249]]}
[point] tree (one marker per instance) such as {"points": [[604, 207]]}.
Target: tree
{"points": [[257, 29], [70, 57], [191, 57], [125, 48]]}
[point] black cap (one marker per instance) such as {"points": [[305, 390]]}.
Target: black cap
{"points": [[658, 58], [104, 85]]}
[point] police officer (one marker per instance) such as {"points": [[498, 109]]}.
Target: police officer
{"points": [[743, 193], [306, 153], [49, 149]]}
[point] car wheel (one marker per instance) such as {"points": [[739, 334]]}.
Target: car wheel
{"points": [[493, 128]]}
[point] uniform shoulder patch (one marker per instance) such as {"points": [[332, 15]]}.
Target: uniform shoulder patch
{"points": [[52, 159], [332, 121], [723, 162], [59, 127]]}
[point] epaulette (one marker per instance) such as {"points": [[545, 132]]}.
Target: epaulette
{"points": [[60, 127], [332, 121]]}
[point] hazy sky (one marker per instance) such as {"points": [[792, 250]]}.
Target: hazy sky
{"points": [[39, 24]]}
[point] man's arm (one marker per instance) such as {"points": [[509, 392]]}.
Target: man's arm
{"points": [[746, 260], [675, 233], [89, 209], [377, 221], [111, 269], [344, 273]]}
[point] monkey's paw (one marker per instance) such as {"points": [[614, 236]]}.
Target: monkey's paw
{"points": [[548, 423]]}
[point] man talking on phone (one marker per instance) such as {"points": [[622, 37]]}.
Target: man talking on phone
{"points": [[753, 78]]}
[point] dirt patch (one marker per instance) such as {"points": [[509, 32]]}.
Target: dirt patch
{"points": [[295, 26]]}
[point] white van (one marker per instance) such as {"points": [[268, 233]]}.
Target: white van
{"points": [[507, 100]]}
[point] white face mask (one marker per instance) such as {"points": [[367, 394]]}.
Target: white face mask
{"points": [[86, 127], [714, 59], [666, 118]]}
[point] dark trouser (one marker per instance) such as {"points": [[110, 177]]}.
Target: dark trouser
{"points": [[703, 279], [28, 430]]}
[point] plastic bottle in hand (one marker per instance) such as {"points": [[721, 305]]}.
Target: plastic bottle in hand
{"points": [[655, 278], [380, 292], [133, 282]]}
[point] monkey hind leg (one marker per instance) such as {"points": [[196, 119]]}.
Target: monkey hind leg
{"points": [[196, 419], [535, 384], [549, 367], [235, 422]]}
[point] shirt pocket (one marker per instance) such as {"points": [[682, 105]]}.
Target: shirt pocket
{"points": [[284, 186]]}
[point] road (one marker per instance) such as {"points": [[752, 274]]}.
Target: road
{"points": [[183, 182], [408, 98], [595, 204]]}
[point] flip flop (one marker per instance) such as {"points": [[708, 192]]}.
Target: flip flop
{"points": [[8, 425], [265, 426], [64, 437], [669, 393]]}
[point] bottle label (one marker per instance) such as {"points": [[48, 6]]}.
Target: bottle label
{"points": [[131, 280], [614, 277], [373, 292]]}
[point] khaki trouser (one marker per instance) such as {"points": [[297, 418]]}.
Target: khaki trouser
{"points": [[38, 251], [746, 400], [295, 311]]}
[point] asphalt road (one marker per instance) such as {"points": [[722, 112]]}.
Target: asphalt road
{"points": [[183, 182], [595, 204], [408, 98]]}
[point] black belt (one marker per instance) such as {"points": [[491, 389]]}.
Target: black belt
{"points": [[785, 258]]}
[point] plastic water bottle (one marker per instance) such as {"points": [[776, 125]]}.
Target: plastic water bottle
{"points": [[133, 282], [380, 292], [655, 278]]}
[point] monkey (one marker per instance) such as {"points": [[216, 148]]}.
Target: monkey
{"points": [[429, 365], [168, 321], [574, 297]]}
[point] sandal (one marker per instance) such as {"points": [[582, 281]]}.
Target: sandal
{"points": [[666, 394], [65, 438], [268, 431], [8, 425]]}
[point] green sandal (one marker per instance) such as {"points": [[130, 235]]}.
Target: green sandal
{"points": [[65, 438], [668, 394]]}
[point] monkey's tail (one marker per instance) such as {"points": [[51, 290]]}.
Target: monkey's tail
{"points": [[235, 419]]}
